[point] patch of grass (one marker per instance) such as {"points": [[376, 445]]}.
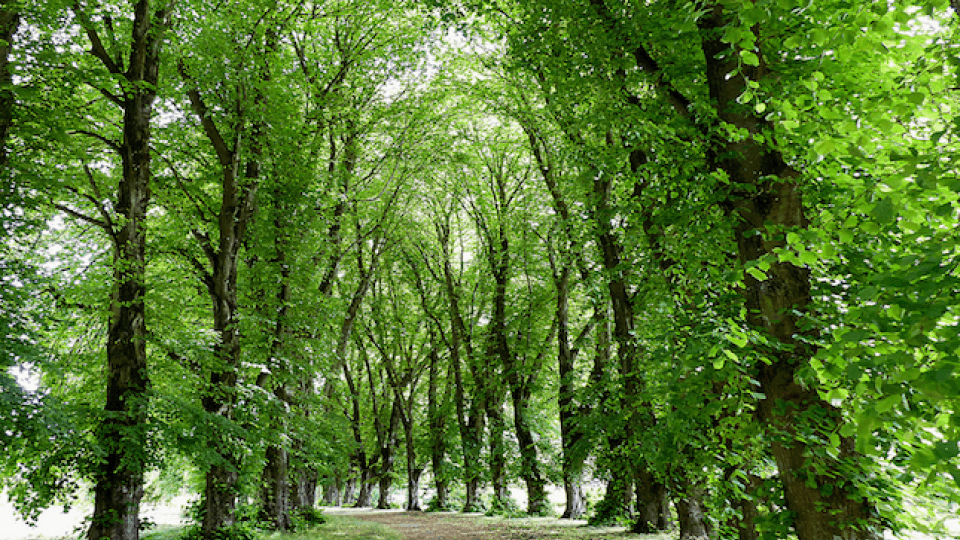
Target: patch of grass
{"points": [[335, 528], [341, 528], [164, 532]]}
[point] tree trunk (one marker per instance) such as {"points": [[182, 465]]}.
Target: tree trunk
{"points": [[438, 431], [331, 492], [498, 454], [576, 502], [746, 511], [765, 202], [691, 518], [570, 432], [237, 209], [349, 489], [275, 491], [303, 485], [123, 432], [365, 495], [470, 421], [652, 506], [388, 447], [413, 487], [530, 465]]}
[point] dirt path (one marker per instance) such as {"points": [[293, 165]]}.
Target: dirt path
{"points": [[456, 526]]}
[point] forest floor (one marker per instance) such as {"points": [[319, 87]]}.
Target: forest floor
{"points": [[458, 526]]}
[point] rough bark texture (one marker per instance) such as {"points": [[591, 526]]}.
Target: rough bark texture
{"points": [[365, 493], [691, 519], [123, 432], [648, 489], [498, 453], [275, 490], [765, 202], [9, 22]]}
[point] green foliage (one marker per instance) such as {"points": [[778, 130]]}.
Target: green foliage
{"points": [[307, 518]]}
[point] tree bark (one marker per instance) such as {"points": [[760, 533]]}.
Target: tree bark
{"points": [[471, 419], [123, 432], [436, 410], [275, 491], [691, 518], [765, 202]]}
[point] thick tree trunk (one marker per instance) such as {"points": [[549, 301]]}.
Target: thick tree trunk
{"points": [[384, 484], [652, 505], [765, 202], [365, 493], [498, 454], [691, 518], [530, 464], [9, 22], [119, 476], [303, 484], [618, 496], [413, 487], [275, 490]]}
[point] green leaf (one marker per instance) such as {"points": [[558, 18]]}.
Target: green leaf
{"points": [[750, 58], [888, 403], [757, 273], [884, 211], [834, 440], [739, 341]]}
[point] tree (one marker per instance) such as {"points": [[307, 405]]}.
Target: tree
{"points": [[124, 429]]}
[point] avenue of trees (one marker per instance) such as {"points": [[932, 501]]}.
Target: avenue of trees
{"points": [[285, 253]]}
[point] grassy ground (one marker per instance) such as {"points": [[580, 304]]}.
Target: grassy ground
{"points": [[368, 524], [336, 528]]}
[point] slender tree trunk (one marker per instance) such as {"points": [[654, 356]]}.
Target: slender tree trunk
{"points": [[471, 419], [471, 436], [436, 406], [331, 491], [820, 487], [648, 489], [746, 510], [349, 489], [498, 453], [570, 432], [388, 447], [123, 433], [303, 476]]}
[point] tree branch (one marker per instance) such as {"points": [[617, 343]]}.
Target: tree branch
{"points": [[97, 49], [224, 153]]}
